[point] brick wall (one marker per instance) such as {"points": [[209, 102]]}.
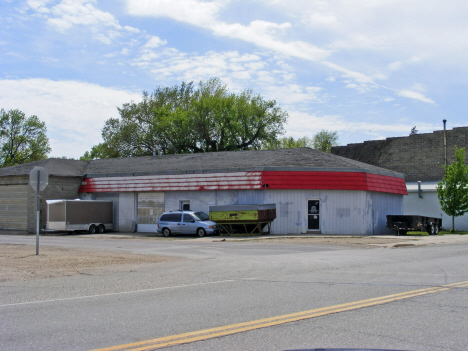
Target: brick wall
{"points": [[418, 156]]}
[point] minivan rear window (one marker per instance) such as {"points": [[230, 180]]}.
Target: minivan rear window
{"points": [[171, 217]]}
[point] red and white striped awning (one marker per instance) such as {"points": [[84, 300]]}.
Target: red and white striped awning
{"points": [[247, 180]]}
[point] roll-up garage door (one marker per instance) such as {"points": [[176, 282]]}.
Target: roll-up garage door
{"points": [[14, 207], [150, 208]]}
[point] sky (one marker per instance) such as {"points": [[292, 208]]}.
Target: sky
{"points": [[368, 69]]}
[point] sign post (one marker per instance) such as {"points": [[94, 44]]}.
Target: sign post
{"points": [[38, 178]]}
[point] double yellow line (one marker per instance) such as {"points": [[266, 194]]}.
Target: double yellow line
{"points": [[272, 321]]}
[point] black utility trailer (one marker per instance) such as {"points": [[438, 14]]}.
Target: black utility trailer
{"points": [[401, 224]]}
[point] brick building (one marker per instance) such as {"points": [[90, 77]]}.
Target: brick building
{"points": [[420, 158]]}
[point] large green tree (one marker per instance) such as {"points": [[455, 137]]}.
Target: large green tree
{"points": [[22, 139], [452, 190], [191, 118], [325, 139]]}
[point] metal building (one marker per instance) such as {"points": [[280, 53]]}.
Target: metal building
{"points": [[314, 192]]}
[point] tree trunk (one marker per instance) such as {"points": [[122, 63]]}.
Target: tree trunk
{"points": [[453, 223]]}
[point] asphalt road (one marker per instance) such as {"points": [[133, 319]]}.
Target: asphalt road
{"points": [[225, 285]]}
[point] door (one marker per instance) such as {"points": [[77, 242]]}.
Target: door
{"points": [[313, 215], [150, 208], [189, 225]]}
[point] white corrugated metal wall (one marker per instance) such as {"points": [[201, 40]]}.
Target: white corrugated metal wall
{"points": [[342, 211], [150, 208], [382, 205]]}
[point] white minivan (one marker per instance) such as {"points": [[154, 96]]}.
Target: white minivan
{"points": [[186, 222]]}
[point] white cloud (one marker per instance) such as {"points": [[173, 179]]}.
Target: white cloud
{"points": [[293, 96], [203, 14], [318, 19], [172, 64], [39, 5], [199, 13], [306, 124], [69, 13], [395, 66], [74, 112], [410, 94], [154, 42], [80, 12]]}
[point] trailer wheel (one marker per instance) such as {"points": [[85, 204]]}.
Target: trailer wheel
{"points": [[201, 232], [434, 229], [101, 229], [166, 232], [92, 229]]}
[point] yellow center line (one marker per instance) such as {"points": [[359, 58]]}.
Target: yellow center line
{"points": [[272, 321]]}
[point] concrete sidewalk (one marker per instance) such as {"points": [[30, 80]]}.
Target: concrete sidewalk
{"points": [[393, 240]]}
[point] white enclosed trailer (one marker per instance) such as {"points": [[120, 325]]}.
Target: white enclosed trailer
{"points": [[86, 215]]}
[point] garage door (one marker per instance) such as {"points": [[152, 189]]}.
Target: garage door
{"points": [[14, 207], [150, 207]]}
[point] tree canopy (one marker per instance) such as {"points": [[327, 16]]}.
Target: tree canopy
{"points": [[452, 190], [325, 139], [288, 143], [186, 118], [22, 139]]}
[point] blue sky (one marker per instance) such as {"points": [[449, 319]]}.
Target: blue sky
{"points": [[369, 69]]}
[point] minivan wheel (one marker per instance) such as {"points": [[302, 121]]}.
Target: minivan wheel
{"points": [[201, 232], [166, 232]]}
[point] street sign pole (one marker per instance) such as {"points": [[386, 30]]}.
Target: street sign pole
{"points": [[38, 212], [38, 179]]}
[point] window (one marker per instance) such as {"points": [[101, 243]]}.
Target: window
{"points": [[188, 218], [201, 216], [184, 205], [171, 217]]}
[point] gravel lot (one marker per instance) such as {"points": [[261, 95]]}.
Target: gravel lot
{"points": [[19, 262]]}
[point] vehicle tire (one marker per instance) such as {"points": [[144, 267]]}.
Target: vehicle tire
{"points": [[201, 232], [432, 229], [166, 232], [101, 229], [92, 229], [402, 232], [437, 229]]}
